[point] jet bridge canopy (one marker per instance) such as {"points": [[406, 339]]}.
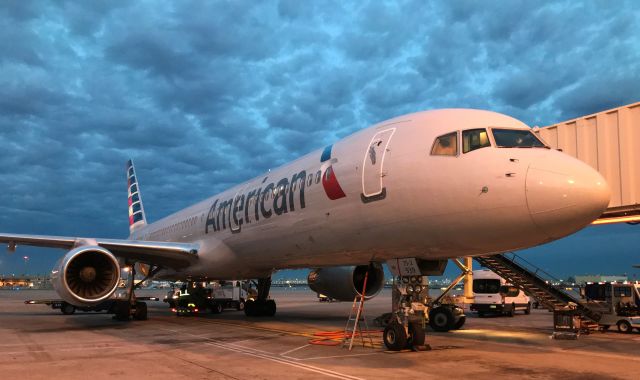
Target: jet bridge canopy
{"points": [[609, 141]]}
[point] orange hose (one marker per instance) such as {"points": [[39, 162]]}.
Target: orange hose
{"points": [[335, 338]]}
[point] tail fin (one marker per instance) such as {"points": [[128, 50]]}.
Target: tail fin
{"points": [[137, 218]]}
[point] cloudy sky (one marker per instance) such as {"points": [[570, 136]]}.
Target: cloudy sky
{"points": [[203, 95]]}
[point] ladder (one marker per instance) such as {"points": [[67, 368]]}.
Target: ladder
{"points": [[353, 323], [533, 281]]}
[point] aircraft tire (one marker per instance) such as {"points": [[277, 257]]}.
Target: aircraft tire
{"points": [[394, 336], [140, 313], [441, 319], [527, 311], [67, 309], [269, 308], [416, 335], [249, 308], [122, 310]]}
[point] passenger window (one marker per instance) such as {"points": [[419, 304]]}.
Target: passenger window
{"points": [[310, 180], [318, 177], [473, 139], [446, 145]]}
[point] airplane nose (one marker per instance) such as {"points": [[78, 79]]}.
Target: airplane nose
{"points": [[565, 195]]}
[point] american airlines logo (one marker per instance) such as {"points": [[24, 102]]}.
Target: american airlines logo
{"points": [[276, 198], [329, 181]]}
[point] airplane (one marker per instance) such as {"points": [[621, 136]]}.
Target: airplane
{"points": [[428, 186]]}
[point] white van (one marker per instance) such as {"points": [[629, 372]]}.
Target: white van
{"points": [[493, 295]]}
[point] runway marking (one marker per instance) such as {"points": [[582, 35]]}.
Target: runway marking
{"points": [[295, 349], [271, 357]]}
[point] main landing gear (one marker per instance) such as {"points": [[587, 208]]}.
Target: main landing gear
{"points": [[124, 309], [261, 305]]}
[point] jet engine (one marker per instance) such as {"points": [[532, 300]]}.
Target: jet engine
{"points": [[86, 275], [344, 283]]}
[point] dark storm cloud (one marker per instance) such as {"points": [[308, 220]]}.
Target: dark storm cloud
{"points": [[203, 95]]}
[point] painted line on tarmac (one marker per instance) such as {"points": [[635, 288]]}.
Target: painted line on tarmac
{"points": [[289, 362], [271, 357], [275, 330], [292, 350]]}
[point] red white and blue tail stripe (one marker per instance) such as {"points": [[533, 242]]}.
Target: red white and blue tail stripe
{"points": [[136, 211]]}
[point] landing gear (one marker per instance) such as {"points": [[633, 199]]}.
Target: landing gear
{"points": [[140, 311], [128, 308], [394, 336], [416, 336], [405, 329], [122, 310], [67, 308], [412, 308], [262, 306]]}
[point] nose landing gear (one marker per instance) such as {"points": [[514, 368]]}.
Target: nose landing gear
{"points": [[406, 327]]}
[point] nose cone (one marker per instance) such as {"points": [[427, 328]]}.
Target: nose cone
{"points": [[564, 195]]}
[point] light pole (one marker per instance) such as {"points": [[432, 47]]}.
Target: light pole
{"points": [[26, 261]]}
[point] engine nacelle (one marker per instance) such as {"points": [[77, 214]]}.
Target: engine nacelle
{"points": [[344, 283], [86, 275]]}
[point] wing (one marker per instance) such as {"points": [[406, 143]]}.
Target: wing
{"points": [[166, 254]]}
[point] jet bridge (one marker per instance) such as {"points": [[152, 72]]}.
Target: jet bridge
{"points": [[609, 141]]}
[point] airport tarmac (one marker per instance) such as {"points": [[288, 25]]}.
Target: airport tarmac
{"points": [[37, 342]]}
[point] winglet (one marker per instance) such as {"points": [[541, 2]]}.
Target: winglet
{"points": [[137, 217]]}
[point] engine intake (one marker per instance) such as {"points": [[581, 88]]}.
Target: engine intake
{"points": [[344, 283], [86, 275]]}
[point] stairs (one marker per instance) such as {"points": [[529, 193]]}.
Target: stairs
{"points": [[535, 282]]}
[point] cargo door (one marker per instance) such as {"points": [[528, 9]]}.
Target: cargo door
{"points": [[373, 166]]}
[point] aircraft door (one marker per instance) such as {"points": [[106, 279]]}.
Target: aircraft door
{"points": [[372, 167]]}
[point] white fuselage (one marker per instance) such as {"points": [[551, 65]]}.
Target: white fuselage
{"points": [[380, 194]]}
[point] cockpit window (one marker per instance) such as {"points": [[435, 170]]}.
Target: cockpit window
{"points": [[473, 139], [446, 145], [516, 138]]}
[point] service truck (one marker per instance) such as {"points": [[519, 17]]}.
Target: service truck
{"points": [[618, 303], [194, 297], [492, 294]]}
